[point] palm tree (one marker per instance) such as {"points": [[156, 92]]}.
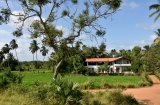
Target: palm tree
{"points": [[6, 50], [2, 56], [34, 48], [157, 40], [113, 52], [157, 10], [44, 51], [146, 47], [14, 46]]}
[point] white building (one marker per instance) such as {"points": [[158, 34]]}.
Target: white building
{"points": [[115, 65]]}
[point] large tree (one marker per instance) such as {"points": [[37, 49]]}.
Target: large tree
{"points": [[156, 7], [81, 21]]}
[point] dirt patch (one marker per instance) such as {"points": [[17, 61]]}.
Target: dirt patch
{"points": [[147, 95]]}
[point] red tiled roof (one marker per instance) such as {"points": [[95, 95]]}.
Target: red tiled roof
{"points": [[103, 59]]}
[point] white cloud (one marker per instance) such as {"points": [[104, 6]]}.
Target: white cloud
{"points": [[152, 37], [133, 5], [3, 32], [146, 26]]}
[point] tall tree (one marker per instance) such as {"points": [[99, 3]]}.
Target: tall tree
{"points": [[136, 57], [6, 50], [2, 57], [156, 7], [14, 46], [34, 48], [82, 21], [44, 51]]}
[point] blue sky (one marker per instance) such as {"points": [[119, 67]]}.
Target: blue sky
{"points": [[129, 27]]}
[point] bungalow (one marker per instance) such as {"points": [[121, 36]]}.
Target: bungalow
{"points": [[115, 65]]}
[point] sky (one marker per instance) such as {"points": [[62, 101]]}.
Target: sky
{"points": [[130, 26]]}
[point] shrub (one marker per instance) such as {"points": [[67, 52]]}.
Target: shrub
{"points": [[104, 84], [146, 79], [65, 92], [8, 77], [89, 84], [157, 73], [117, 98]]}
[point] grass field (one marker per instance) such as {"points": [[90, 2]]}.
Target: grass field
{"points": [[30, 78]]}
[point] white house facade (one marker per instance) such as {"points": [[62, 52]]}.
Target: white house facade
{"points": [[115, 65]]}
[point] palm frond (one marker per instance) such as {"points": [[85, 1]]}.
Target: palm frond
{"points": [[157, 11], [157, 17], [154, 6]]}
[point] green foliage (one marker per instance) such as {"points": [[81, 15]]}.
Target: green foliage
{"points": [[117, 98], [89, 84], [78, 63], [4, 15], [151, 59], [64, 13], [104, 67], [100, 33], [136, 56], [157, 73], [74, 1], [145, 80], [66, 92], [9, 77], [18, 32]]}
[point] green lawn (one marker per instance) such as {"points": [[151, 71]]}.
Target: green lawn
{"points": [[31, 77]]}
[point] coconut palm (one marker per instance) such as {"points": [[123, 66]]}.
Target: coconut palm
{"points": [[2, 56], [44, 51], [6, 50], [157, 40], [34, 48], [14, 46], [156, 7]]}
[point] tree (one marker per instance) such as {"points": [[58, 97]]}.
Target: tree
{"points": [[6, 50], [157, 10], [2, 56], [136, 64], [81, 21], [102, 50], [157, 40], [113, 52], [34, 48], [151, 59], [14, 46], [44, 51]]}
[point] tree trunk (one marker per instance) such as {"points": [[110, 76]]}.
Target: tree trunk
{"points": [[37, 62], [57, 68], [17, 57], [43, 60]]}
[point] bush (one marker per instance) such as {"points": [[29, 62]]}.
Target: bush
{"points": [[117, 98], [157, 73], [8, 77], [146, 79], [89, 84], [104, 84]]}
